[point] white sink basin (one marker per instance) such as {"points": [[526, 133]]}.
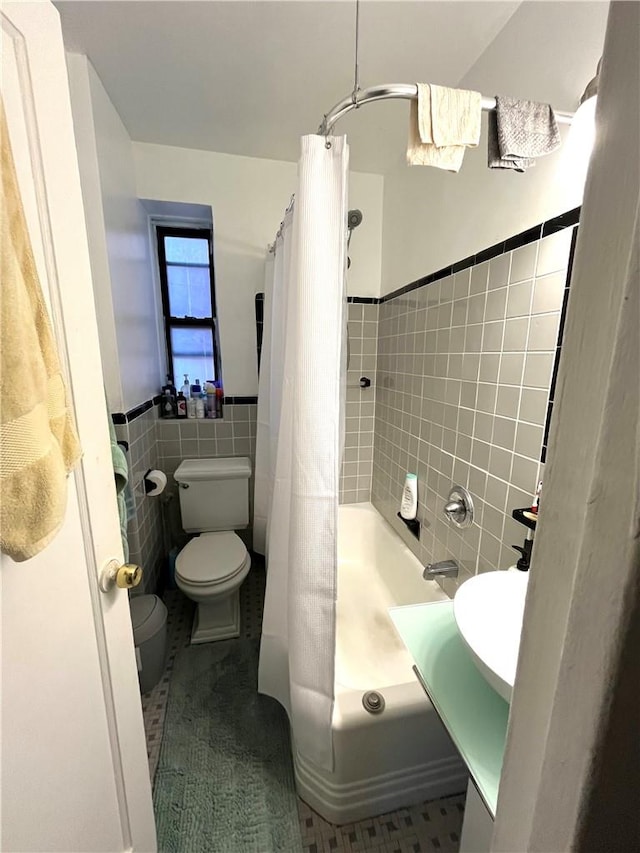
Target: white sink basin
{"points": [[488, 609]]}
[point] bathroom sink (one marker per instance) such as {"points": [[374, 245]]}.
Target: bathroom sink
{"points": [[488, 609]]}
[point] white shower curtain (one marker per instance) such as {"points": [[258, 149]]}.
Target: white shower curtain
{"points": [[277, 278], [298, 447]]}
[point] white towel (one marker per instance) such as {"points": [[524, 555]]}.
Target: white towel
{"points": [[443, 122], [455, 116]]}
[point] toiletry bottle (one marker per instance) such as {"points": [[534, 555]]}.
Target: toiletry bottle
{"points": [[186, 388], [536, 499], [409, 505], [181, 405], [200, 407], [210, 390], [219, 399], [168, 410], [170, 386], [167, 405], [192, 406]]}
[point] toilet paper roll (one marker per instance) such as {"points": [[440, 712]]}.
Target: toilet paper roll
{"points": [[154, 482]]}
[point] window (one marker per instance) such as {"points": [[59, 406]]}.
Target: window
{"points": [[185, 257]]}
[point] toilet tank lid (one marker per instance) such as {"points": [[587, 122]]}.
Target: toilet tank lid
{"points": [[230, 468]]}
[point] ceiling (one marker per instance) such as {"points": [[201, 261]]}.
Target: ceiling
{"points": [[246, 77]]}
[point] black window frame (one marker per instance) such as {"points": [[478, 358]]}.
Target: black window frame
{"points": [[170, 321]]}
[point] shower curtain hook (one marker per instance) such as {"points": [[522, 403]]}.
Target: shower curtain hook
{"points": [[324, 130]]}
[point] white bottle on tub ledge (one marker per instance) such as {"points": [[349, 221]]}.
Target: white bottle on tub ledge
{"points": [[409, 504]]}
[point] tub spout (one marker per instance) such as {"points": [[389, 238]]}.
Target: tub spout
{"points": [[443, 569]]}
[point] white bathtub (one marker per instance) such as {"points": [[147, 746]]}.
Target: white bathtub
{"points": [[403, 755]]}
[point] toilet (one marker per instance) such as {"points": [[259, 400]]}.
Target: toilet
{"points": [[214, 502]]}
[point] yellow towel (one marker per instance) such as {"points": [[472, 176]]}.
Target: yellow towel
{"points": [[38, 441], [443, 122]]}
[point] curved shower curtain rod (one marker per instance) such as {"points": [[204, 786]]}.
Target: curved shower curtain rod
{"points": [[403, 91], [384, 92]]}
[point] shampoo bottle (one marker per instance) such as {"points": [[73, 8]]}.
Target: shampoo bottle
{"points": [[186, 388], [409, 505], [181, 404]]}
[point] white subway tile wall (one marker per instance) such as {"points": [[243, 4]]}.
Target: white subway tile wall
{"points": [[357, 465], [463, 373]]}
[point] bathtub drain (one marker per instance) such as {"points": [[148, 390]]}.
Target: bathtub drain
{"points": [[373, 702]]}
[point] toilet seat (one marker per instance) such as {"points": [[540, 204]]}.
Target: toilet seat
{"points": [[211, 558]]}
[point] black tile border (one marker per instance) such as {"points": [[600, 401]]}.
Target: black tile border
{"points": [[240, 401], [564, 220], [463, 265], [126, 417], [364, 300], [537, 232], [136, 412], [522, 239], [259, 309], [556, 360]]}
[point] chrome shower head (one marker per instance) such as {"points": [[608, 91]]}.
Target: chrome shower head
{"points": [[354, 218]]}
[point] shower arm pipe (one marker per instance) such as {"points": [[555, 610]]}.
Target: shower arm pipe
{"points": [[402, 91]]}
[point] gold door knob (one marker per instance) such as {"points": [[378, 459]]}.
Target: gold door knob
{"points": [[124, 576], [128, 576]]}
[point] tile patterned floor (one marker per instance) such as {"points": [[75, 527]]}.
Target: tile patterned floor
{"points": [[154, 703], [432, 826]]}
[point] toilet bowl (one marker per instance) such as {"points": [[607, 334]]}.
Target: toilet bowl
{"points": [[214, 502], [210, 570]]}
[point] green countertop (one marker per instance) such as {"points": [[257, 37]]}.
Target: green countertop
{"points": [[472, 712]]}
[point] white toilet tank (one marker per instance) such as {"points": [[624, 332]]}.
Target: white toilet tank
{"points": [[214, 493]]}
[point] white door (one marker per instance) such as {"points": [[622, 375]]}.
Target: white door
{"points": [[73, 760]]}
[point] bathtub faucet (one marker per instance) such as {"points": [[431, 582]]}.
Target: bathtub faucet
{"points": [[443, 569]]}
